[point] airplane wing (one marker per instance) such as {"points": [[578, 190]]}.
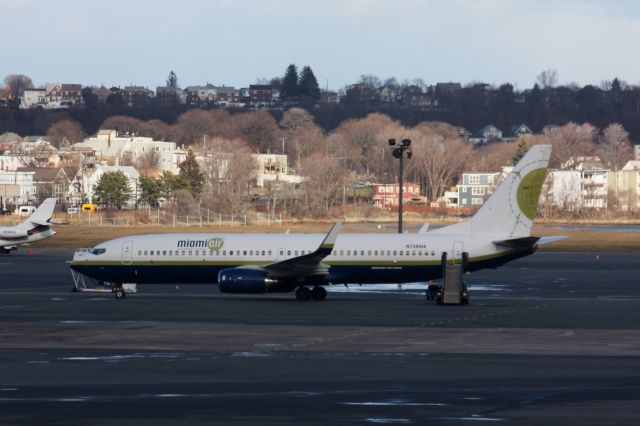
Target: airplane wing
{"points": [[307, 264], [547, 240], [424, 229]]}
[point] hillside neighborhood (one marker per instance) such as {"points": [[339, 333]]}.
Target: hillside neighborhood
{"points": [[35, 167]]}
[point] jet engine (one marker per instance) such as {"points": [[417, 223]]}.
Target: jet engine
{"points": [[12, 233], [245, 280]]}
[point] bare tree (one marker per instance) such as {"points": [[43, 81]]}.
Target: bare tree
{"points": [[325, 179], [228, 166], [258, 128], [615, 147], [69, 129], [547, 79], [571, 141], [301, 134], [438, 157], [122, 124], [148, 161], [17, 83]]}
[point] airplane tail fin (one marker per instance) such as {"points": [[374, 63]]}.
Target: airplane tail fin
{"points": [[42, 215], [511, 208]]}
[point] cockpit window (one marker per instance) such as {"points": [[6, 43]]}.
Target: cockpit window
{"points": [[97, 251]]}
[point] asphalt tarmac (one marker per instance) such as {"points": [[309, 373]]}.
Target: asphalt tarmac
{"points": [[550, 339]]}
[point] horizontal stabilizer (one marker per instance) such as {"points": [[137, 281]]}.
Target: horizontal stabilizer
{"points": [[547, 240], [518, 242]]}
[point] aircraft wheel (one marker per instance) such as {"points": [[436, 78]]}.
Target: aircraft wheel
{"points": [[303, 294], [119, 293], [74, 289], [318, 293]]}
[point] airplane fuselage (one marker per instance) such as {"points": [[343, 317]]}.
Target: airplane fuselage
{"points": [[355, 258]]}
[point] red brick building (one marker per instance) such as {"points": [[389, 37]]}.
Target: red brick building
{"points": [[388, 194]]}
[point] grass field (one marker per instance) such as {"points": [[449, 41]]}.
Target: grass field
{"points": [[597, 240]]}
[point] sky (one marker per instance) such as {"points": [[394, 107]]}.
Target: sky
{"points": [[237, 42]]}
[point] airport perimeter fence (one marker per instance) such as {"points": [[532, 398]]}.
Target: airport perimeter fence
{"points": [[148, 216]]}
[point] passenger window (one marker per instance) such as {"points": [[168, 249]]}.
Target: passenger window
{"points": [[190, 252], [224, 252], [244, 253], [139, 252], [170, 252], [251, 252], [288, 252], [395, 253], [413, 253], [296, 252], [400, 253], [388, 252], [151, 252], [341, 253], [433, 253], [281, 252], [230, 252], [375, 253], [419, 252], [270, 253], [361, 252], [164, 252], [263, 252]]}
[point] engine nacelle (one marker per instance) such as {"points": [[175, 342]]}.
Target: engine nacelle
{"points": [[245, 280], [11, 233]]}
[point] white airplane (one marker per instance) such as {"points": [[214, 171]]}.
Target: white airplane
{"points": [[37, 227], [260, 263]]}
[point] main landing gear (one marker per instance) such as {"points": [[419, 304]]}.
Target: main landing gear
{"points": [[118, 292], [317, 293]]}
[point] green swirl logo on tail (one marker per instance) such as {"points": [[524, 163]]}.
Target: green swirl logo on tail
{"points": [[529, 192]]}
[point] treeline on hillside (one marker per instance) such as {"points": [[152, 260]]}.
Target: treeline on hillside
{"points": [[357, 149]]}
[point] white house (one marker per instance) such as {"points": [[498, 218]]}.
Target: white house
{"points": [[576, 189], [273, 167], [22, 179], [119, 149]]}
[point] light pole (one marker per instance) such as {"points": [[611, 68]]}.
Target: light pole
{"points": [[398, 152]]}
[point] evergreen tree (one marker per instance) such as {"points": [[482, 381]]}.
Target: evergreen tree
{"points": [[521, 150], [290, 88], [191, 173], [151, 191], [113, 189], [172, 80], [309, 84]]}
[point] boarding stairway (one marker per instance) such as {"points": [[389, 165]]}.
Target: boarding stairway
{"points": [[454, 289]]}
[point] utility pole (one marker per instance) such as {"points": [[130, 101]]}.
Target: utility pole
{"points": [[398, 152]]}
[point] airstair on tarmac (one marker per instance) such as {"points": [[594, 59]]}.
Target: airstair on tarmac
{"points": [[454, 289]]}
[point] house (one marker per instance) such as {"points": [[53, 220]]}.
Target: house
{"points": [[518, 131], [329, 97], [117, 149], [261, 95], [102, 93], [227, 96], [273, 167], [201, 95], [490, 133], [414, 97], [388, 194], [447, 88], [48, 182], [36, 151], [23, 180], [574, 190], [624, 188], [583, 163], [71, 95], [82, 188], [475, 188], [136, 95], [34, 98]]}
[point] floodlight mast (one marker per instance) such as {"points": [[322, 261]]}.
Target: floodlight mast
{"points": [[398, 152]]}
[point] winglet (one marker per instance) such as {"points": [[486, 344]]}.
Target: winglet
{"points": [[330, 240], [423, 229]]}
